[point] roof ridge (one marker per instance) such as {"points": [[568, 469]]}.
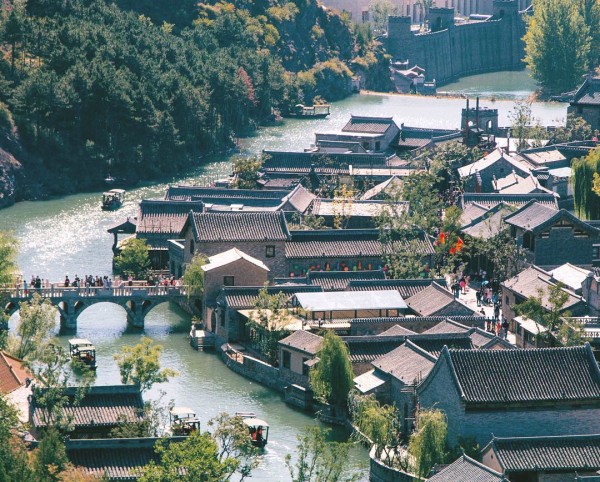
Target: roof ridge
{"points": [[480, 465], [417, 349]]}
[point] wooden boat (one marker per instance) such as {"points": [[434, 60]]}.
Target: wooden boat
{"points": [[113, 199], [319, 111], [83, 350], [183, 421], [257, 428]]}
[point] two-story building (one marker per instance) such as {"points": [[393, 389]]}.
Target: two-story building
{"points": [[552, 238], [261, 235], [512, 393]]}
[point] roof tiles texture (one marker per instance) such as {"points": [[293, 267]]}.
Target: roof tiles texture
{"points": [[12, 373], [433, 299], [406, 287], [339, 280], [465, 469], [574, 452], [161, 216], [447, 326], [244, 297], [589, 92], [372, 125], [533, 375], [104, 405], [491, 199], [531, 216], [265, 226], [304, 341], [408, 363]]}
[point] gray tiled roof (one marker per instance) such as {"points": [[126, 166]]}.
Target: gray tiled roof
{"points": [[244, 297], [373, 125], [338, 280], [531, 280], [304, 341], [489, 224], [435, 343], [588, 93], [264, 226], [323, 163], [368, 348], [161, 216], [434, 299], [117, 459], [408, 363], [447, 326], [556, 453], [101, 405], [406, 287], [465, 469], [491, 199], [536, 217], [300, 198], [340, 243], [397, 330], [474, 320], [185, 193], [526, 376]]}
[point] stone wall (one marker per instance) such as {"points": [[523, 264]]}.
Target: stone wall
{"points": [[562, 246], [463, 49], [253, 369], [379, 472]]}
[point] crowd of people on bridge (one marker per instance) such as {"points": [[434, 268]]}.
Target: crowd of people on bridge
{"points": [[88, 282]]}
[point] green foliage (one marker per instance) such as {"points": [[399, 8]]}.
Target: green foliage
{"points": [[13, 455], [36, 322], [506, 257], [193, 277], [525, 127], [380, 11], [587, 202], [558, 42], [227, 453], [547, 310], [8, 256], [268, 321], [140, 364], [380, 424], [428, 443], [332, 378], [50, 456], [342, 206], [133, 260], [194, 459], [577, 129], [246, 171], [424, 199], [319, 460]]}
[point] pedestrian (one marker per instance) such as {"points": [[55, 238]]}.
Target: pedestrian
{"points": [[455, 289], [498, 327], [25, 287], [463, 284], [488, 296], [505, 326], [478, 297], [496, 311]]}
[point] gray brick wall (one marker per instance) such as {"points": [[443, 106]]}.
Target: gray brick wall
{"points": [[439, 391]]}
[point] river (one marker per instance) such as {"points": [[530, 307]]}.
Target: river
{"points": [[67, 235]]}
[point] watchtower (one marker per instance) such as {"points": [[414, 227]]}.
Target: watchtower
{"points": [[441, 18]]}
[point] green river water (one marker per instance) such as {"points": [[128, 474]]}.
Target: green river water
{"points": [[68, 235]]}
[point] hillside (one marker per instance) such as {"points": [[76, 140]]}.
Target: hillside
{"points": [[145, 88]]}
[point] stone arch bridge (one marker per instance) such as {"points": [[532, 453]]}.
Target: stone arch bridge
{"points": [[72, 301]]}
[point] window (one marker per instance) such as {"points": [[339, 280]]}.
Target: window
{"points": [[304, 367], [377, 145], [270, 252], [285, 361], [228, 281], [191, 246], [596, 252], [365, 16]]}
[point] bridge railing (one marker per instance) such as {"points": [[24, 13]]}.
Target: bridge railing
{"points": [[58, 290]]}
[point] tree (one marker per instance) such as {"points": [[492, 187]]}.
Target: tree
{"points": [[380, 424], [427, 445], [269, 320], [342, 206], [380, 11], [14, 463], [225, 454], [193, 277], [133, 260], [50, 456], [196, 458], [586, 200], [36, 321], [140, 365], [319, 460], [557, 44], [547, 309], [576, 129], [332, 378], [8, 254], [524, 127], [419, 189], [246, 171]]}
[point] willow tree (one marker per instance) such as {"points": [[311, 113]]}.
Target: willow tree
{"points": [[428, 444], [332, 378], [585, 197]]}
